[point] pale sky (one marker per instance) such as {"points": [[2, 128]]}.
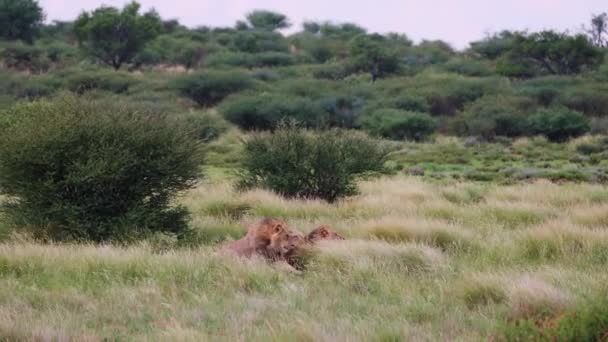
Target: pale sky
{"points": [[455, 21]]}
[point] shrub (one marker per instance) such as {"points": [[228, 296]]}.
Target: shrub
{"points": [[272, 59], [586, 99], [492, 116], [398, 124], [205, 126], [79, 169], [264, 111], [209, 88], [305, 164], [229, 59], [82, 81], [468, 67], [559, 124], [20, 56]]}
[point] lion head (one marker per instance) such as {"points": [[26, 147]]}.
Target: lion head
{"points": [[323, 233]]}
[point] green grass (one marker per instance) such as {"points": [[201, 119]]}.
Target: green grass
{"points": [[423, 261]]}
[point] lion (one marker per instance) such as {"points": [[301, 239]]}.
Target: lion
{"points": [[258, 238], [323, 232]]}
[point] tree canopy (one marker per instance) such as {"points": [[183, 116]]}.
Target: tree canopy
{"points": [[114, 37], [20, 19]]}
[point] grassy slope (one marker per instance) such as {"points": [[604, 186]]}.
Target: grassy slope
{"points": [[458, 260]]}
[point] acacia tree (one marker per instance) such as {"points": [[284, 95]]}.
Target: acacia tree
{"points": [[556, 53], [20, 19], [114, 37], [267, 20], [372, 53], [598, 31]]}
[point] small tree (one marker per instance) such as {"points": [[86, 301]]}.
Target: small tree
{"points": [[306, 164], [114, 37], [598, 32], [20, 19], [209, 88], [559, 124], [371, 53], [399, 124], [556, 53], [267, 20], [78, 169]]}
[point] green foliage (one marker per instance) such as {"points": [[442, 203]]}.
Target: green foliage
{"points": [[588, 322], [399, 124], [586, 98], [209, 88], [494, 46], [81, 81], [304, 164], [468, 67], [259, 41], [556, 53], [267, 20], [20, 19], [115, 37], [24, 57], [265, 111], [559, 124], [205, 126], [371, 54], [84, 170], [498, 115], [172, 50]]}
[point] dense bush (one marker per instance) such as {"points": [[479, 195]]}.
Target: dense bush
{"points": [[468, 67], [205, 126], [305, 164], [588, 99], [77, 169], [264, 111], [499, 115], [399, 124], [209, 88], [559, 124], [82, 81], [24, 57]]}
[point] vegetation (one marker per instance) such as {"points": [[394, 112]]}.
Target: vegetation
{"points": [[20, 19], [80, 170], [475, 211], [114, 37], [298, 163]]}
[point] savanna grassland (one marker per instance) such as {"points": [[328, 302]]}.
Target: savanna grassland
{"points": [[423, 261], [470, 185]]}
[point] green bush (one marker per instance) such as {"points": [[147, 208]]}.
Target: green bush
{"points": [[205, 126], [264, 111], [468, 67], [305, 164], [82, 81], [76, 169], [559, 124], [209, 88], [499, 115], [230, 59], [399, 124], [24, 57], [272, 59], [589, 99]]}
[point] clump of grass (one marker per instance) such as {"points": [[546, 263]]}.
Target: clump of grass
{"points": [[463, 195], [437, 234], [226, 209], [592, 217], [588, 321], [478, 290], [380, 256], [532, 298], [555, 241], [513, 218]]}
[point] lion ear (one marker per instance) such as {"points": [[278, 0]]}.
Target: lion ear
{"points": [[324, 232], [277, 228]]}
